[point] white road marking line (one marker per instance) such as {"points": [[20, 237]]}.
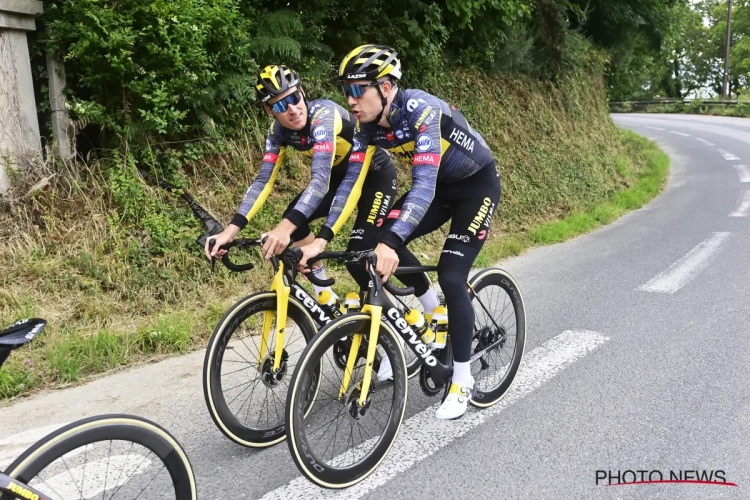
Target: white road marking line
{"points": [[12, 446], [704, 141], [687, 268], [743, 172], [654, 128], [743, 205], [728, 156], [422, 435], [679, 133]]}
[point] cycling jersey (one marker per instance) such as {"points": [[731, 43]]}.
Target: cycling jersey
{"points": [[327, 138], [434, 136]]}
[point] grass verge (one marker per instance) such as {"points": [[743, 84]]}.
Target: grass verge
{"points": [[649, 183]]}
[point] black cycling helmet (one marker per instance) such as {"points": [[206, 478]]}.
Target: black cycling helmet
{"points": [[370, 62], [274, 80]]}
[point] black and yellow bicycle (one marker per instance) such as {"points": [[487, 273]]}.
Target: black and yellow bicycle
{"points": [[341, 424]]}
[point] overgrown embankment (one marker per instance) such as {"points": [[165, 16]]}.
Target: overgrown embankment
{"points": [[112, 263]]}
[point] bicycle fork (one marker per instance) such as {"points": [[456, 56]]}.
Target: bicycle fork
{"points": [[375, 316], [278, 285]]}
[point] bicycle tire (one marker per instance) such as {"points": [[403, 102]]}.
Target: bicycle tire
{"points": [[216, 403], [498, 277], [297, 407], [114, 427]]}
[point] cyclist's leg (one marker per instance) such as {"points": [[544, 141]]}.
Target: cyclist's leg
{"points": [[375, 202], [474, 200], [303, 235], [436, 215]]}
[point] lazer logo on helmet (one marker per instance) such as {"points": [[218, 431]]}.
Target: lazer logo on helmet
{"points": [[409, 335], [356, 75]]}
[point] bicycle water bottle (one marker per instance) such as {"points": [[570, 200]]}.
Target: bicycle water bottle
{"points": [[421, 327], [331, 300], [351, 303], [440, 326]]}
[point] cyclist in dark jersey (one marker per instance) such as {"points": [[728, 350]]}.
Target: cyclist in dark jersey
{"points": [[454, 178], [324, 131]]}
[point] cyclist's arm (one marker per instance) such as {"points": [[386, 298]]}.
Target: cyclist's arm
{"points": [[425, 166], [350, 189], [324, 134], [257, 193]]}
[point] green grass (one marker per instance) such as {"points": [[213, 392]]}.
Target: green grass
{"points": [[647, 186]]}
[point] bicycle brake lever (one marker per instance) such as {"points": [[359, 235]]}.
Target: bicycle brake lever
{"points": [[211, 243]]}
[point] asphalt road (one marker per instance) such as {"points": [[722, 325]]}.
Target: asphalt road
{"points": [[637, 360]]}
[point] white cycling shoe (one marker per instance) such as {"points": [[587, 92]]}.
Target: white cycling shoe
{"points": [[385, 372], [456, 402]]}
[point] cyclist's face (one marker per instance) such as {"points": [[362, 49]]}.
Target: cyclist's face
{"points": [[366, 107], [295, 116]]}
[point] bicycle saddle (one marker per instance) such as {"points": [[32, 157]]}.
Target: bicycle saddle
{"points": [[21, 332]]}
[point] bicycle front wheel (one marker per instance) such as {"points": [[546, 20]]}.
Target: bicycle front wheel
{"points": [[244, 394], [107, 456], [335, 441]]}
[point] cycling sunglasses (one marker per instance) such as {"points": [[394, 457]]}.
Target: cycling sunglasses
{"points": [[282, 105], [356, 90]]}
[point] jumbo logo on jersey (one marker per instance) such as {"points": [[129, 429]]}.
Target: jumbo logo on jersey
{"points": [[357, 144], [424, 143], [268, 144], [319, 133]]}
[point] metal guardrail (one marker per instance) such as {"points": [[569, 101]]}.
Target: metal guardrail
{"points": [[643, 103]]}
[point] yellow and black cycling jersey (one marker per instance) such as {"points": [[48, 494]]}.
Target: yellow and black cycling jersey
{"points": [[327, 138], [430, 134]]}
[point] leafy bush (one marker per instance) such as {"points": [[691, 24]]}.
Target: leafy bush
{"points": [[145, 67]]}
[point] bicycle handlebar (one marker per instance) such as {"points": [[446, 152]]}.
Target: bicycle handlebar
{"points": [[240, 243]]}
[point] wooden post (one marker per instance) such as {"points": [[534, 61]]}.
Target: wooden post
{"points": [[57, 101]]}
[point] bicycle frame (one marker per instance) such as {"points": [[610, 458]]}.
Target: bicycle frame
{"points": [[380, 308], [17, 489], [285, 285]]}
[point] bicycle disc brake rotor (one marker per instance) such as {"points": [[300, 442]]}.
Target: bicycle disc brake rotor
{"points": [[270, 377], [486, 337]]}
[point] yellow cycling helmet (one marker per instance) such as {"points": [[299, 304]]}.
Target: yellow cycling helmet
{"points": [[370, 62], [274, 80]]}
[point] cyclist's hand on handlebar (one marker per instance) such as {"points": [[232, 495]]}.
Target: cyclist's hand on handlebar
{"points": [[387, 261], [311, 250], [275, 242], [224, 237]]}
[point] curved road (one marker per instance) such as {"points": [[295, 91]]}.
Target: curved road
{"points": [[637, 360]]}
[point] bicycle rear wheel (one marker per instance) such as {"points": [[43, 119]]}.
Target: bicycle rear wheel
{"points": [[139, 443], [335, 442], [500, 322]]}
